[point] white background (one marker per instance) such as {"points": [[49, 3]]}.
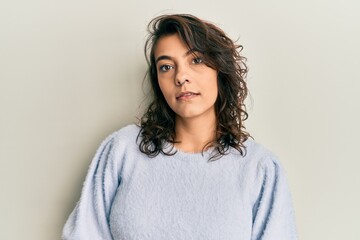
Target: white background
{"points": [[71, 73]]}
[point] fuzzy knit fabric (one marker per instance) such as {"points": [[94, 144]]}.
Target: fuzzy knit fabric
{"points": [[129, 196]]}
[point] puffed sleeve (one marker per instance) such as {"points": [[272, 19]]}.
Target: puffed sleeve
{"points": [[90, 218], [273, 213]]}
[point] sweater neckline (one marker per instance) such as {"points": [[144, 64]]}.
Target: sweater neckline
{"points": [[204, 155], [169, 147]]}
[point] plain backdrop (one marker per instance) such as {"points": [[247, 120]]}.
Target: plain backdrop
{"points": [[71, 73]]}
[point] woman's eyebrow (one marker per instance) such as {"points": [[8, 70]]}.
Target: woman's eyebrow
{"points": [[166, 57], [162, 57]]}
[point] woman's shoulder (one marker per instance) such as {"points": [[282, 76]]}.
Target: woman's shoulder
{"points": [[128, 130], [261, 164], [128, 133], [260, 155], [121, 139]]}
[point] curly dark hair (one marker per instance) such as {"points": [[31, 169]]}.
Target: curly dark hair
{"points": [[220, 53]]}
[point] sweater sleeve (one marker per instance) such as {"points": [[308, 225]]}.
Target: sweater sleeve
{"points": [[273, 214], [90, 218]]}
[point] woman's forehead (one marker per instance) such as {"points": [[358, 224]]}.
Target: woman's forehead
{"points": [[172, 46]]}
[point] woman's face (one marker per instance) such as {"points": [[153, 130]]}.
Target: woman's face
{"points": [[187, 83]]}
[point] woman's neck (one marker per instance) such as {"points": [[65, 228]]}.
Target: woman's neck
{"points": [[194, 134]]}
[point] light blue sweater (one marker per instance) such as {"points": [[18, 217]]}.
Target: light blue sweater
{"points": [[129, 196]]}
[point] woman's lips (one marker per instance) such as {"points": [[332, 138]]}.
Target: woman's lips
{"points": [[186, 95]]}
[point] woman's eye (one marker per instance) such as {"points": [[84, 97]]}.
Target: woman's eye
{"points": [[197, 60], [165, 68]]}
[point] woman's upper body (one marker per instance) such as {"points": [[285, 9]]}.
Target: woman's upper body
{"points": [[190, 170], [129, 196]]}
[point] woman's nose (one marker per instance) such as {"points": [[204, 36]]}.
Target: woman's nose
{"points": [[180, 83], [181, 76]]}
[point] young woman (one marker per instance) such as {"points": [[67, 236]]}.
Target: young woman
{"points": [[189, 170]]}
